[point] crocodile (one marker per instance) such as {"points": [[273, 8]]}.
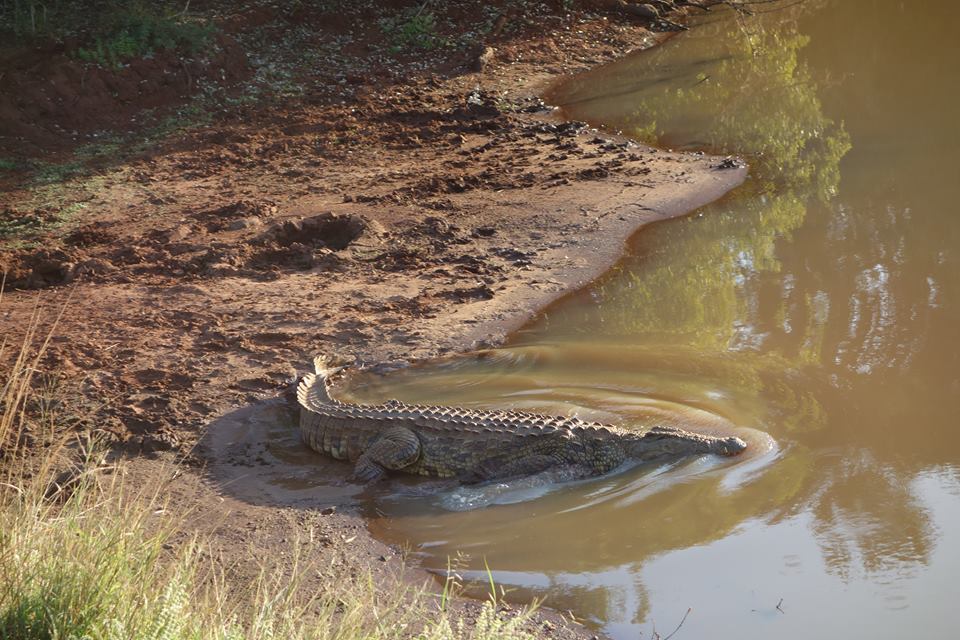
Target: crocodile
{"points": [[476, 445]]}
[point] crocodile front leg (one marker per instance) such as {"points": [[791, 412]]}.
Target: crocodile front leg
{"points": [[396, 448]]}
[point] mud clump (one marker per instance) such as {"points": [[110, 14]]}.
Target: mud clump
{"points": [[51, 267], [236, 215], [187, 249], [469, 294], [40, 268]]}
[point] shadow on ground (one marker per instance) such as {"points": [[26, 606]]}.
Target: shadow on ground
{"points": [[254, 453]]}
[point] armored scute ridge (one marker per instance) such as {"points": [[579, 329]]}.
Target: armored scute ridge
{"points": [[470, 445]]}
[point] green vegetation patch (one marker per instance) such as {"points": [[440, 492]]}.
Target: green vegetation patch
{"points": [[142, 32], [109, 31], [16, 225], [10, 164], [413, 28]]}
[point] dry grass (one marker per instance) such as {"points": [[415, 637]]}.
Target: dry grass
{"points": [[88, 557]]}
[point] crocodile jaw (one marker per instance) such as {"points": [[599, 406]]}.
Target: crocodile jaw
{"points": [[662, 442], [730, 446]]}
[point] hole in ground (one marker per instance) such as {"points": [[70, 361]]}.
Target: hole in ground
{"points": [[326, 229]]}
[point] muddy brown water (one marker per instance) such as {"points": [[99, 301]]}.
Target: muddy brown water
{"points": [[815, 311]]}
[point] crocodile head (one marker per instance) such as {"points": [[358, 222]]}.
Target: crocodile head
{"points": [[661, 442]]}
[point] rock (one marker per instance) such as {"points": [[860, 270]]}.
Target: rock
{"points": [[728, 163], [94, 266], [180, 233], [243, 223], [162, 440]]}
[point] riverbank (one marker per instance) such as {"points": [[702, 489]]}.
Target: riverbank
{"points": [[399, 210]]}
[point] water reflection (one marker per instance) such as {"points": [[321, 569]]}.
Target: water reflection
{"points": [[729, 84], [866, 518], [820, 303]]}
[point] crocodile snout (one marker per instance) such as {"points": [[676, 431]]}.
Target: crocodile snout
{"points": [[731, 446]]}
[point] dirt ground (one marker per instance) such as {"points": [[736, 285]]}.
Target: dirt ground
{"points": [[396, 205]]}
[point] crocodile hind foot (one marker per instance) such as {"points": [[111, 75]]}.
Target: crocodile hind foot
{"points": [[396, 448]]}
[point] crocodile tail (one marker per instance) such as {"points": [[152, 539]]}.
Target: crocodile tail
{"points": [[323, 365], [326, 365], [312, 391], [306, 389]]}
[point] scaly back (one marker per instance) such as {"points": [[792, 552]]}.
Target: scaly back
{"points": [[313, 395]]}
